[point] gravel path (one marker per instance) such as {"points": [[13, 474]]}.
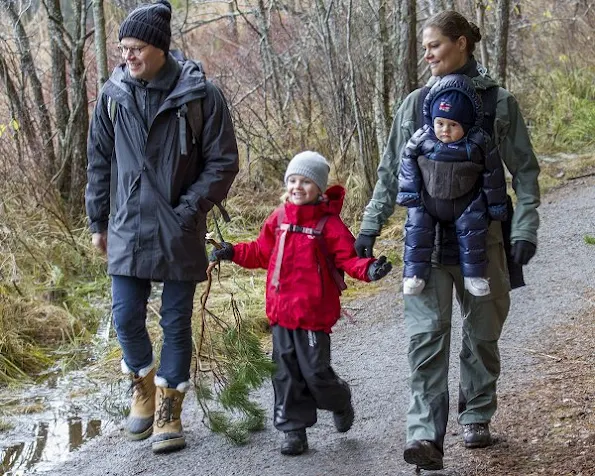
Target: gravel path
{"points": [[371, 355]]}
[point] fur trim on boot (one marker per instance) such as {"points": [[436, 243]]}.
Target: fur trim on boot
{"points": [[139, 424], [168, 435]]}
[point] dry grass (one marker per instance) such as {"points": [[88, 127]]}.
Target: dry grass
{"points": [[548, 426], [20, 356]]}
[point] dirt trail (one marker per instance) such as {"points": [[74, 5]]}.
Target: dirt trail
{"points": [[371, 355]]}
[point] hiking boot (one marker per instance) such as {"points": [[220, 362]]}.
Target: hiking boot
{"points": [[168, 435], [295, 442], [413, 286], [343, 420], [477, 286], [477, 435], [139, 424], [424, 454]]}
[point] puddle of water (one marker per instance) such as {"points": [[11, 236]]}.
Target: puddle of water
{"points": [[103, 330], [65, 411], [56, 417], [52, 442]]}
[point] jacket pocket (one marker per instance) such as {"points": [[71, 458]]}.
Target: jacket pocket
{"points": [[122, 207], [186, 218]]}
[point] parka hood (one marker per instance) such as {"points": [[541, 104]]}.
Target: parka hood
{"points": [[335, 196], [190, 85], [474, 70], [453, 82]]}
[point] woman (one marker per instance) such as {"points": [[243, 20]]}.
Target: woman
{"points": [[449, 41]]}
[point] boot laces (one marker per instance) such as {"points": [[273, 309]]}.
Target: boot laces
{"points": [[480, 429], [166, 411], [140, 389]]}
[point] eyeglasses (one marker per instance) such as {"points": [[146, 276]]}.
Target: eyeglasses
{"points": [[136, 51]]}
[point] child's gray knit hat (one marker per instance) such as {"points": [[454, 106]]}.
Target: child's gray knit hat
{"points": [[312, 165]]}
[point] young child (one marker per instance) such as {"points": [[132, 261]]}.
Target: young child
{"points": [[302, 245], [450, 173]]}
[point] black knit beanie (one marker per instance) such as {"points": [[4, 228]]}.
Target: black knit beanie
{"points": [[149, 23]]}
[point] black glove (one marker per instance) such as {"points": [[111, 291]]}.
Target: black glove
{"points": [[522, 251], [364, 245], [379, 269], [225, 253]]}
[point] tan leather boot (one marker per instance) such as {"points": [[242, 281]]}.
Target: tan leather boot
{"points": [[139, 424], [167, 428]]}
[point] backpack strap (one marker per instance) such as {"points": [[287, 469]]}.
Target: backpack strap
{"points": [[112, 107], [318, 233], [420, 106], [489, 98], [338, 276], [280, 248], [195, 119]]}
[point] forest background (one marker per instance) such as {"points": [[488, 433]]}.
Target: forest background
{"points": [[326, 75]]}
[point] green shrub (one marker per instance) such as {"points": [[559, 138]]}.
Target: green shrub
{"points": [[560, 106]]}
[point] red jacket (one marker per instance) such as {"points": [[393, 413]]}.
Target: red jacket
{"points": [[307, 296]]}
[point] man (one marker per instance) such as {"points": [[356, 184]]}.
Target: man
{"points": [[152, 179]]}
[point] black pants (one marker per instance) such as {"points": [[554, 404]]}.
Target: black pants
{"points": [[304, 380]]}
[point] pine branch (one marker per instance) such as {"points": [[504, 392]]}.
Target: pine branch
{"points": [[230, 363]]}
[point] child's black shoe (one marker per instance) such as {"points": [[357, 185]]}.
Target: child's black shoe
{"points": [[344, 420], [295, 443]]}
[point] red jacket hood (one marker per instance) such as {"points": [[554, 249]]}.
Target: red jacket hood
{"points": [[331, 204]]}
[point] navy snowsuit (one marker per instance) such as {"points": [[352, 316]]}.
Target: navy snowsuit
{"points": [[460, 182]]}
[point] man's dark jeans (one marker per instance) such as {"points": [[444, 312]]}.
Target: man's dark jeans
{"points": [[129, 306]]}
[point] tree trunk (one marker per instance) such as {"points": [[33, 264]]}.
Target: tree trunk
{"points": [[434, 6], [233, 24], [79, 118], [18, 109], [268, 60], [338, 125], [409, 59], [100, 43], [59, 87], [480, 9], [28, 67], [503, 16], [381, 78], [364, 155]]}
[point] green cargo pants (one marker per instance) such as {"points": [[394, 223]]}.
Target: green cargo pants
{"points": [[428, 321]]}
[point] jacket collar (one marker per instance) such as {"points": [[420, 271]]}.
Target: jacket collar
{"points": [[331, 204], [187, 80], [476, 71], [164, 81]]}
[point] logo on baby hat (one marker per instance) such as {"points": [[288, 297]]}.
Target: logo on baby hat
{"points": [[444, 106]]}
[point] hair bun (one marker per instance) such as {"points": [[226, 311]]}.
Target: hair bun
{"points": [[475, 31]]}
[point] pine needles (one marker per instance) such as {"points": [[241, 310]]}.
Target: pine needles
{"points": [[230, 363]]}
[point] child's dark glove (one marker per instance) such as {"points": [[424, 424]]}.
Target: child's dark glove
{"points": [[379, 269], [225, 253], [522, 251]]}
